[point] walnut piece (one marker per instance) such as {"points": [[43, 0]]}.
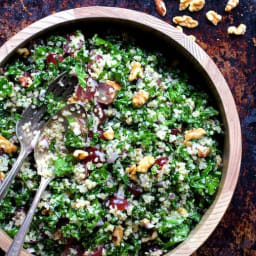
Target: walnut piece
{"points": [[23, 51], [46, 212], [160, 7], [218, 161], [254, 41], [109, 134], [7, 146], [196, 5], [240, 30], [25, 81], [152, 237], [117, 235], [131, 171], [114, 84], [80, 154], [184, 4], [145, 163], [194, 134], [231, 4], [204, 153], [185, 21], [57, 235], [179, 28], [183, 212], [213, 17], [140, 98], [136, 71], [193, 38], [146, 224], [80, 204], [72, 99], [2, 175]]}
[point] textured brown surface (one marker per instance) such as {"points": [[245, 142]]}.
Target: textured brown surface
{"points": [[236, 235]]}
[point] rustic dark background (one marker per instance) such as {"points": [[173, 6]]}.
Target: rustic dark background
{"points": [[235, 56]]}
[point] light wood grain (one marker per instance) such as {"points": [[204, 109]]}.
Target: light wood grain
{"points": [[195, 55]]}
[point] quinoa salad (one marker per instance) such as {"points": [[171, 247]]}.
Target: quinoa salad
{"points": [[137, 176]]}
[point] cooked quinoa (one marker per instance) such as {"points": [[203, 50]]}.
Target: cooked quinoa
{"points": [[138, 177]]}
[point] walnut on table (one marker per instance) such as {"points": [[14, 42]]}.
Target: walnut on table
{"points": [[240, 30], [160, 7], [192, 5], [213, 17], [231, 4], [196, 5], [185, 21]]}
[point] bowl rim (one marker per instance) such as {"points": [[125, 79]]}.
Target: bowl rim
{"points": [[232, 163]]}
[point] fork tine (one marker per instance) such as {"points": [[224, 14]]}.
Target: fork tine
{"points": [[52, 84]]}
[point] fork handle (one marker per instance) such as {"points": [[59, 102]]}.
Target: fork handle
{"points": [[12, 174], [18, 241]]}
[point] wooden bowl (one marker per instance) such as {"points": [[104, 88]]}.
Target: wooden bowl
{"points": [[196, 58]]}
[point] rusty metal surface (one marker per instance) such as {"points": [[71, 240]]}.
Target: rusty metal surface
{"points": [[236, 58]]}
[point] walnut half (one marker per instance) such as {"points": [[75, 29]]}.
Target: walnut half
{"points": [[240, 30], [231, 4], [196, 5], [213, 17], [185, 21]]}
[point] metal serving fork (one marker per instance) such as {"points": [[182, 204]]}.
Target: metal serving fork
{"points": [[29, 127]]}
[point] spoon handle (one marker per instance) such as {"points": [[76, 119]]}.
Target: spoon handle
{"points": [[18, 241], [12, 174]]}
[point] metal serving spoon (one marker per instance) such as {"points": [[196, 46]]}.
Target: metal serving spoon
{"points": [[73, 111], [29, 127]]}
